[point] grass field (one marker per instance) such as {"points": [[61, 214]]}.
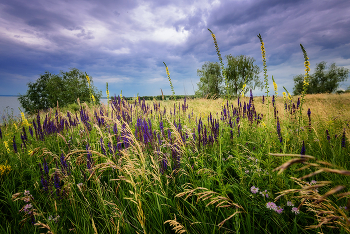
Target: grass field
{"points": [[194, 166]]}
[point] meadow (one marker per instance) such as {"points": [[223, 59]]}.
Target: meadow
{"points": [[234, 165], [179, 166]]}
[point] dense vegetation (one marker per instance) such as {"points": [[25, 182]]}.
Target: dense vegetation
{"points": [[322, 80], [63, 89], [240, 75], [150, 167], [246, 165]]}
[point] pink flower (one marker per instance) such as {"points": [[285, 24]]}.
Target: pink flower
{"points": [[289, 203], [295, 210], [271, 205], [254, 190], [264, 194], [279, 209]]}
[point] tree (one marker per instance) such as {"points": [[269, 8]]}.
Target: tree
{"points": [[64, 88], [210, 80], [322, 81], [241, 70]]}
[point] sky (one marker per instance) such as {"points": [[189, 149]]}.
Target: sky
{"points": [[125, 42]]}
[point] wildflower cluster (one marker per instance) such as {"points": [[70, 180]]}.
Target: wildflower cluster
{"points": [[4, 169], [7, 147], [272, 205], [28, 209]]}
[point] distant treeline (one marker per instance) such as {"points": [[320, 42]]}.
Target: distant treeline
{"points": [[160, 97]]}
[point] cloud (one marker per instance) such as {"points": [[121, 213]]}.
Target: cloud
{"points": [[126, 42]]}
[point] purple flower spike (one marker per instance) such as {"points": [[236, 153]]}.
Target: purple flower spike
{"points": [[65, 166], [328, 136], [89, 160], [46, 168], [14, 144], [309, 114], [302, 152], [279, 130], [343, 139]]}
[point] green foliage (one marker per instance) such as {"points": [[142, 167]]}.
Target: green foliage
{"points": [[241, 70], [64, 88], [324, 80], [210, 80]]}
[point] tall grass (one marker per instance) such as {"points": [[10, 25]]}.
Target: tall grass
{"points": [[180, 166]]}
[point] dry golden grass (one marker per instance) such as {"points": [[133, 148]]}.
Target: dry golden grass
{"points": [[323, 106]]}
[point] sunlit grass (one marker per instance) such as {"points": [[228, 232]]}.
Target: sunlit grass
{"points": [[246, 165]]}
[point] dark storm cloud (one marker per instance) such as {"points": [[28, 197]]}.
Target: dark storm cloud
{"points": [[125, 42]]}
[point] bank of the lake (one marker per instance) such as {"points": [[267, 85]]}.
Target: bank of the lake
{"points": [[10, 107]]}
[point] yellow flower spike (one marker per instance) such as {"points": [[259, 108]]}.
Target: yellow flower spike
{"points": [[222, 64], [14, 124], [24, 120], [7, 146]]}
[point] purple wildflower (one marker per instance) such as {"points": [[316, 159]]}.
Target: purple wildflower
{"points": [[254, 189], [65, 165], [302, 152], [103, 149], [295, 210], [343, 139], [271, 205], [264, 194], [328, 136], [289, 203], [27, 208], [89, 160], [14, 144], [279, 209], [279, 130], [46, 168], [298, 103]]}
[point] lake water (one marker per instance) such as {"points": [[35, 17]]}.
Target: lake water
{"points": [[9, 107]]}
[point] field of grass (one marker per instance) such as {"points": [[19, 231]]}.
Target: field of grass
{"points": [[185, 166]]}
